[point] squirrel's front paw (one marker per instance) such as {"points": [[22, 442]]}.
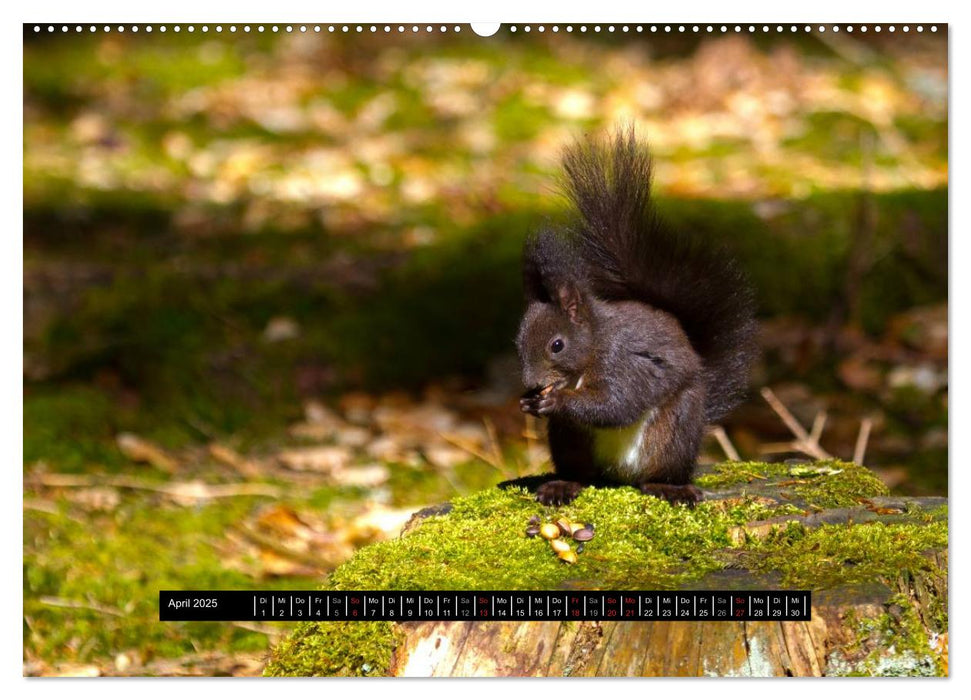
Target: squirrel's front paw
{"points": [[540, 403]]}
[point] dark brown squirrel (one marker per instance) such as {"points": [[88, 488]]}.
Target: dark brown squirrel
{"points": [[635, 336]]}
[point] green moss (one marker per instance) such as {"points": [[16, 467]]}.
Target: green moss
{"points": [[640, 543], [842, 554], [335, 649], [892, 644], [829, 484]]}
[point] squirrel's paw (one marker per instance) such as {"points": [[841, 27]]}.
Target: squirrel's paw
{"points": [[539, 404], [688, 494], [558, 493]]}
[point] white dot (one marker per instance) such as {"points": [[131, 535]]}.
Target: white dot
{"points": [[920, 28], [934, 28], [893, 28], [457, 29], [526, 28], [121, 29], [219, 28], [849, 28], [822, 28], [906, 28], [681, 28], [863, 29]]}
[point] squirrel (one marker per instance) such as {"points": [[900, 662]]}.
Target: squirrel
{"points": [[635, 337]]}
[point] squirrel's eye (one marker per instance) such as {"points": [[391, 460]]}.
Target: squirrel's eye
{"points": [[556, 345]]}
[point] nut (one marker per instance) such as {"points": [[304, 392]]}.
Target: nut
{"points": [[569, 557], [549, 531], [584, 534]]}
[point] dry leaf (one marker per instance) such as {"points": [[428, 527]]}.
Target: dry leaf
{"points": [[140, 450]]}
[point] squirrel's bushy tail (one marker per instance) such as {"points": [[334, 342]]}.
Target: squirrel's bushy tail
{"points": [[630, 254]]}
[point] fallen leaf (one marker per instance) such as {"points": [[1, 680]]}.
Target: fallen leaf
{"points": [[140, 450]]}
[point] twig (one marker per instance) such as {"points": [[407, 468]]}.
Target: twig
{"points": [[64, 603], [861, 440], [804, 442], [182, 489], [493, 440], [726, 444], [462, 445], [816, 431]]}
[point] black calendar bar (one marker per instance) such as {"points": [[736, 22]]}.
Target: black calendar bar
{"points": [[288, 606]]}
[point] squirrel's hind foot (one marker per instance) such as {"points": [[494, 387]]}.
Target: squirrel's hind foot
{"points": [[558, 493], [689, 494]]}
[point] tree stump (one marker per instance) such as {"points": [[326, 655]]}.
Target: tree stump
{"points": [[877, 566]]}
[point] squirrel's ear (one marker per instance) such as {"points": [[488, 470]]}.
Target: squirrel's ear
{"points": [[570, 300]]}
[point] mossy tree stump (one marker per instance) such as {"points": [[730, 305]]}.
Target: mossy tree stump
{"points": [[877, 566]]}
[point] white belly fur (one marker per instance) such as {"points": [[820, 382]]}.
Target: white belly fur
{"points": [[618, 450]]}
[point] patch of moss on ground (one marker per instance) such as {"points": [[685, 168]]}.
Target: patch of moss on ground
{"points": [[91, 580]]}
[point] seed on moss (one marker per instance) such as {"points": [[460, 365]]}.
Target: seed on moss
{"points": [[576, 526], [549, 531], [532, 531], [564, 526], [559, 546], [584, 534], [580, 547], [568, 556], [534, 520]]}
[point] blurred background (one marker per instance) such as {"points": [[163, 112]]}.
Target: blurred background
{"points": [[271, 284]]}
